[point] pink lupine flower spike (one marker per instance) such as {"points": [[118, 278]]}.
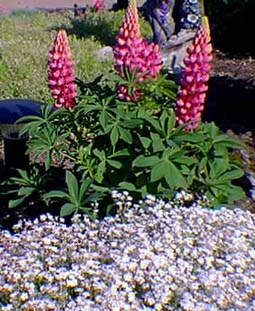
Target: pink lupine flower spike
{"points": [[61, 72], [195, 75], [135, 55]]}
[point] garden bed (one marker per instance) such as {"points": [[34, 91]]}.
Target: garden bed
{"points": [[149, 245]]}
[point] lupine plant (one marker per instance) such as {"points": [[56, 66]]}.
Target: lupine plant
{"points": [[112, 139]]}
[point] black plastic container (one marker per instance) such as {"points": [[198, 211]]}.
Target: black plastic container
{"points": [[15, 149]]}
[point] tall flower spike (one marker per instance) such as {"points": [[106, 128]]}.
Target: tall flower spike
{"points": [[195, 75], [61, 72], [134, 55]]}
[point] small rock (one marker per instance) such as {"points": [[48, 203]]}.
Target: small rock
{"points": [[106, 53]]}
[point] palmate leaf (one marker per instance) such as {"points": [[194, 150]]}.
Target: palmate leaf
{"points": [[34, 123], [167, 170]]}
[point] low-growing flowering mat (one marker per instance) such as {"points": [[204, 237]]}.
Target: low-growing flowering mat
{"points": [[159, 258]]}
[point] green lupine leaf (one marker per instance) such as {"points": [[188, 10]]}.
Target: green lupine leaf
{"points": [[103, 119], [114, 136], [145, 141], [219, 166], [134, 123], [100, 154], [23, 179], [47, 161], [125, 135], [99, 188], [100, 172], [127, 186], [171, 122], [142, 161], [88, 108], [29, 118], [194, 138], [114, 163], [155, 124], [236, 193], [185, 160], [157, 144], [119, 153]]}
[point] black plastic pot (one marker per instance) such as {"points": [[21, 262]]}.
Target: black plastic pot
{"points": [[15, 149]]}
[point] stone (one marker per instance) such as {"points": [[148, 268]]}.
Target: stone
{"points": [[105, 54]]}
